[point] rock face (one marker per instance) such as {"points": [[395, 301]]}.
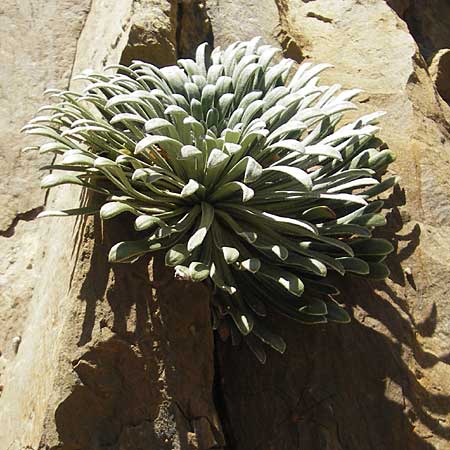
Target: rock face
{"points": [[39, 42], [380, 382], [107, 359], [123, 358], [440, 73]]}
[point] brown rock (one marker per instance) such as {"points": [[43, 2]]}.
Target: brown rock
{"points": [[440, 73], [38, 47], [400, 6], [121, 358], [108, 358], [152, 32], [428, 23], [379, 382]]}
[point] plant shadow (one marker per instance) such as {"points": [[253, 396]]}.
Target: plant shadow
{"points": [[358, 386], [354, 387], [140, 332]]}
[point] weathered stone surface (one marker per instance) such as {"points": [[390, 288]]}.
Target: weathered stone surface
{"points": [[152, 34], [193, 27], [440, 73], [39, 41], [122, 358], [38, 47], [258, 17], [108, 358], [104, 35], [380, 382], [428, 22]]}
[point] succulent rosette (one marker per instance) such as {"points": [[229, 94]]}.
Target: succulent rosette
{"points": [[235, 167]]}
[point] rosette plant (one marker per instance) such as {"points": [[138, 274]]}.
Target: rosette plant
{"points": [[234, 166]]}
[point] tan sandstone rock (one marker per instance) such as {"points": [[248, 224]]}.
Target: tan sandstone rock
{"points": [[111, 357], [122, 358], [38, 46], [440, 73], [382, 381]]}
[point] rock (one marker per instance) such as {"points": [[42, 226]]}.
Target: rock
{"points": [[379, 382], [440, 73], [428, 23], [261, 17], [31, 34], [108, 25], [39, 41], [400, 6], [108, 358], [122, 358], [152, 34]]}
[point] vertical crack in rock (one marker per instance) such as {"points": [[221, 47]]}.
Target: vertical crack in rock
{"points": [[193, 27], [152, 34], [179, 27], [220, 401], [76, 54]]}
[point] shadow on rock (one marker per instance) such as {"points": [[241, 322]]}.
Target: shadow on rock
{"points": [[342, 387], [144, 377]]}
